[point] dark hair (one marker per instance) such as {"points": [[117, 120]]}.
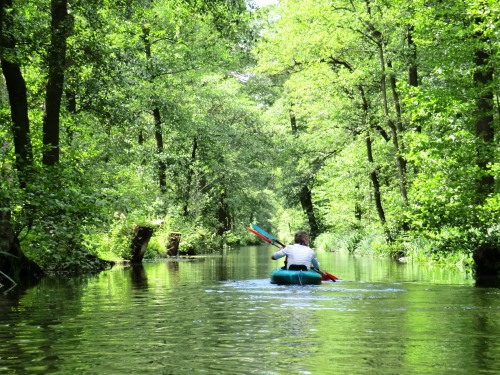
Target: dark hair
{"points": [[301, 237]]}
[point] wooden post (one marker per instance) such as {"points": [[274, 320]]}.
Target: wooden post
{"points": [[173, 244]]}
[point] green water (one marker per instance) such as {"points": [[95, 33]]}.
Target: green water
{"points": [[221, 315]]}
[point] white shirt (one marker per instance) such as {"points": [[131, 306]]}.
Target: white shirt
{"points": [[298, 254]]}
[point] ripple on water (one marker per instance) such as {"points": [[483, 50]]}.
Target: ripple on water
{"points": [[193, 323]]}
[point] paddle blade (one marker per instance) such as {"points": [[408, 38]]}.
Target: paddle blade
{"points": [[261, 236], [325, 276], [263, 232], [330, 276], [267, 235]]}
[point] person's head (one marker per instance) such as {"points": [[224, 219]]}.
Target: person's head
{"points": [[302, 238]]}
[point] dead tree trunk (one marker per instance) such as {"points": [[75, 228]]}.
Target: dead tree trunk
{"points": [[140, 240], [174, 239]]}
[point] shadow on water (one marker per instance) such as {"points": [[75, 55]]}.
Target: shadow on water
{"points": [[10, 300], [488, 282]]}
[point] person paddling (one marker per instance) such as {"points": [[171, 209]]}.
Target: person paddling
{"points": [[299, 255]]}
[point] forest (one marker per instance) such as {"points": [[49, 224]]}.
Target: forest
{"points": [[372, 124]]}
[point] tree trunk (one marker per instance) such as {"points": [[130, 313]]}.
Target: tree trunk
{"points": [[399, 128], [305, 193], [293, 121], [307, 205], [358, 209], [60, 27], [485, 132], [374, 170], [395, 98], [162, 166], [16, 88], [174, 239], [375, 181], [140, 241], [189, 177], [377, 37], [401, 163], [412, 66], [223, 215], [14, 266]]}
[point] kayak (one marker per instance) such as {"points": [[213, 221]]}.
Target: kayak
{"points": [[288, 277]]}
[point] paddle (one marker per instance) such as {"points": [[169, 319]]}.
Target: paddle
{"points": [[326, 275], [262, 237], [267, 235], [269, 238]]}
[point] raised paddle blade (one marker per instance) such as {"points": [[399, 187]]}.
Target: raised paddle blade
{"points": [[267, 235], [261, 236], [263, 232]]}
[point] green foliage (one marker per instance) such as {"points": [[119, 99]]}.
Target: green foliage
{"points": [[196, 240], [329, 52], [55, 213], [365, 241], [169, 88], [114, 245]]}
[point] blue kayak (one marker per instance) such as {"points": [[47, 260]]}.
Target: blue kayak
{"points": [[288, 277]]}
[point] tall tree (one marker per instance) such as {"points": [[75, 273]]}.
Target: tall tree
{"points": [[162, 167], [60, 27], [317, 46], [16, 87], [484, 125], [376, 36], [13, 262], [305, 191]]}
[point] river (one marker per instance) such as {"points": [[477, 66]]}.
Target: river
{"points": [[220, 315]]}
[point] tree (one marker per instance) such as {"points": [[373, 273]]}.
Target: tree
{"points": [[439, 140], [16, 87], [60, 28], [13, 261], [320, 45], [484, 126]]}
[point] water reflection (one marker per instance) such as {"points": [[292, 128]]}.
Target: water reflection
{"points": [[488, 282], [222, 315], [138, 276]]}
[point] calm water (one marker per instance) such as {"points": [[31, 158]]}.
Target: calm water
{"points": [[221, 315]]}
